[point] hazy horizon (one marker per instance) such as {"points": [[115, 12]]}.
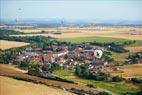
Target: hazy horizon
{"points": [[129, 10]]}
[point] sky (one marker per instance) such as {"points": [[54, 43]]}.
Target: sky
{"points": [[71, 9]]}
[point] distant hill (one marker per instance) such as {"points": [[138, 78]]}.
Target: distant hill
{"points": [[69, 22]]}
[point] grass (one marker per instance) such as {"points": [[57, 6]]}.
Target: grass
{"points": [[89, 39], [117, 88], [120, 57], [98, 39], [63, 73], [130, 71], [138, 43]]}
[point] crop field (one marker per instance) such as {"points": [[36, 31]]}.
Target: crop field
{"points": [[89, 39], [11, 72], [113, 88], [134, 49], [130, 71], [121, 32], [11, 44], [9, 86]]}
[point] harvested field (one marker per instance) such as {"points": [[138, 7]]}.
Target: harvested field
{"points": [[9, 72], [134, 49], [9, 86], [130, 71], [119, 32], [4, 44]]}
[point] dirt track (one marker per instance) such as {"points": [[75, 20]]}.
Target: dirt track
{"points": [[9, 72]]}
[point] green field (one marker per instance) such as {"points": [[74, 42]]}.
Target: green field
{"points": [[115, 88], [90, 39], [98, 39], [138, 43]]}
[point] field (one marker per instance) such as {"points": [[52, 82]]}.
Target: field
{"points": [[10, 44], [100, 34], [93, 38], [9, 86], [113, 88], [11, 71], [79, 35], [130, 71], [134, 48], [113, 32]]}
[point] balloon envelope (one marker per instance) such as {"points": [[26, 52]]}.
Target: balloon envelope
{"points": [[98, 53]]}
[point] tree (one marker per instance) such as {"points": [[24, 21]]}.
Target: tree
{"points": [[34, 69], [117, 79], [55, 66], [78, 71], [24, 65]]}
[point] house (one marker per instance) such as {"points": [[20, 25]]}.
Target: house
{"points": [[61, 61], [36, 59], [48, 57], [33, 49], [30, 57], [62, 53], [99, 62], [63, 47], [140, 61], [37, 49]]}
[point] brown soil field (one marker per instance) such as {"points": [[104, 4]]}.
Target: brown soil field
{"points": [[4, 44], [130, 71], [9, 86], [125, 33]]}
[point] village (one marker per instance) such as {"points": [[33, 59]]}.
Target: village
{"points": [[68, 59]]}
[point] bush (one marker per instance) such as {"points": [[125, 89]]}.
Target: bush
{"points": [[84, 72], [133, 93], [55, 66], [34, 69], [82, 92], [103, 93], [91, 85], [24, 65], [134, 58], [136, 80], [117, 79]]}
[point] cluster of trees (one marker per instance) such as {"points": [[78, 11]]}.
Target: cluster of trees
{"points": [[9, 55], [84, 72], [136, 80], [107, 56], [45, 71], [117, 79], [85, 92], [26, 39], [117, 47], [126, 43], [133, 93], [6, 32], [134, 58], [36, 68]]}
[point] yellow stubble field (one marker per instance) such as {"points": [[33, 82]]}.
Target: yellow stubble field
{"points": [[119, 32], [4, 44]]}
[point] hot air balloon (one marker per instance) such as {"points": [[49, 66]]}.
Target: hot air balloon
{"points": [[98, 53]]}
